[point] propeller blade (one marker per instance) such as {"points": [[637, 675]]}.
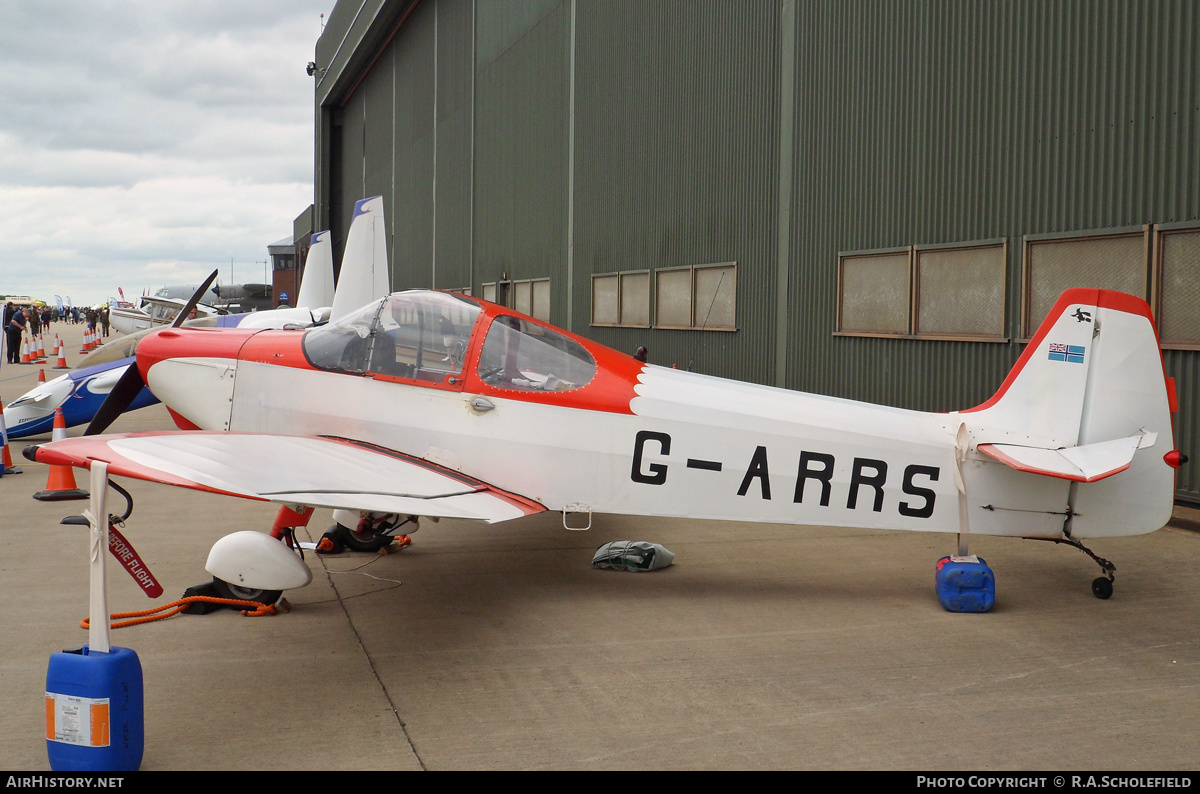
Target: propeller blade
{"points": [[130, 383], [191, 304], [124, 392]]}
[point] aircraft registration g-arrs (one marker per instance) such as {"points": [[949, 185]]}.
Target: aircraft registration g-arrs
{"points": [[434, 404]]}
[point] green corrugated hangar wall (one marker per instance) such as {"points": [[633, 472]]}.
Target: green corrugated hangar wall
{"points": [[563, 139]]}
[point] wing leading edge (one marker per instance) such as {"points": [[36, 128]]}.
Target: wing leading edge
{"points": [[318, 471]]}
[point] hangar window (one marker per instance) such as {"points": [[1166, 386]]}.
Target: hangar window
{"points": [[1116, 260], [621, 299], [532, 297], [696, 297], [1176, 263], [960, 291], [873, 292], [528, 296], [524, 356]]}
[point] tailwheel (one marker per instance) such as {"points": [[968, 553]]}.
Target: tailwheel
{"points": [[1102, 587]]}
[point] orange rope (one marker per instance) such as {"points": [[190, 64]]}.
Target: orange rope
{"points": [[150, 615]]}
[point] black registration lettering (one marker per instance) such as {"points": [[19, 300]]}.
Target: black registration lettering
{"points": [[656, 473], [859, 477], [925, 510], [823, 475], [757, 470]]}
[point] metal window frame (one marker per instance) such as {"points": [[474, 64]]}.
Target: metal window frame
{"points": [[1157, 286], [621, 298], [691, 298], [592, 314], [915, 319], [1031, 240], [692, 308], [512, 293], [620, 278], [839, 330]]}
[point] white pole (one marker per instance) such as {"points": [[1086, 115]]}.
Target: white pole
{"points": [[962, 442], [97, 516]]}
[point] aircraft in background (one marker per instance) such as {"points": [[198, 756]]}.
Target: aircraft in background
{"points": [[243, 298], [317, 293], [79, 393], [153, 312], [431, 404], [82, 391], [160, 308], [230, 298]]}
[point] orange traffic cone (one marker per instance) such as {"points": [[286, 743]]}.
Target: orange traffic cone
{"points": [[60, 485], [85, 349], [41, 349], [7, 464], [42, 375], [25, 351], [62, 357]]}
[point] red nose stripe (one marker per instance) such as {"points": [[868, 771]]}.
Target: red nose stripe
{"points": [[189, 343]]}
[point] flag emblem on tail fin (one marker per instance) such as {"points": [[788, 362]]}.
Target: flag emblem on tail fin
{"points": [[1069, 353]]}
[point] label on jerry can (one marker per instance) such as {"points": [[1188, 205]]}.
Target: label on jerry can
{"points": [[75, 720]]}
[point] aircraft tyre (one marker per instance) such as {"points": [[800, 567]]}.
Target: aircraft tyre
{"points": [[364, 540], [1102, 587], [226, 590]]}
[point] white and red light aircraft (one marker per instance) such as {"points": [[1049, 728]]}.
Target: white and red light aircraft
{"points": [[435, 404]]}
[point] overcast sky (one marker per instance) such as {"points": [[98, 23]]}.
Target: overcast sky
{"points": [[148, 142]]}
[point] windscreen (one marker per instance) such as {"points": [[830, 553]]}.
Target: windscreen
{"points": [[518, 354]]}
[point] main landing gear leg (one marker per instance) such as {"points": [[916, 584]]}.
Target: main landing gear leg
{"points": [[373, 533]]}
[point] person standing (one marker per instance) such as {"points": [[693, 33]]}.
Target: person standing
{"points": [[16, 328], [9, 311]]}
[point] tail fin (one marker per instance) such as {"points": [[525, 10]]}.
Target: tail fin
{"points": [[364, 275], [316, 287], [1089, 402]]}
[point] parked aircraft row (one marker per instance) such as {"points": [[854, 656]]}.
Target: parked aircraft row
{"points": [[81, 392]]}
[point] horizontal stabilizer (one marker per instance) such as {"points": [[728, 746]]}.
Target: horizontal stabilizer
{"points": [[1088, 463]]}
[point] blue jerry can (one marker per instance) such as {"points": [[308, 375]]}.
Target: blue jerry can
{"points": [[94, 711], [965, 584]]}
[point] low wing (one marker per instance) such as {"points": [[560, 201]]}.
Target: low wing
{"points": [[1087, 463], [318, 471]]}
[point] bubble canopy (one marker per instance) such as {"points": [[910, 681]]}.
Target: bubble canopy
{"points": [[430, 337]]}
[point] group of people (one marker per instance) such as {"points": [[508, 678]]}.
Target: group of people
{"points": [[19, 320], [95, 318]]}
